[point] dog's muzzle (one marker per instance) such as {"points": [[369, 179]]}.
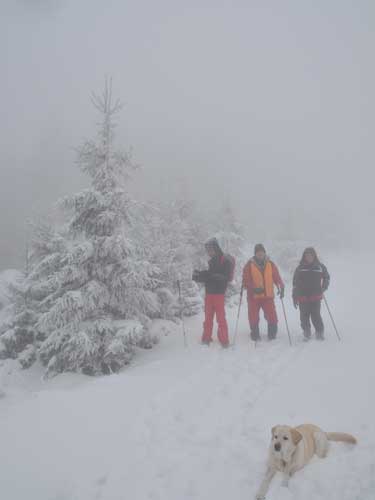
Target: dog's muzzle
{"points": [[277, 446]]}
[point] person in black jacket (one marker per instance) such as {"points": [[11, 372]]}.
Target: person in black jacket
{"points": [[310, 281], [216, 280]]}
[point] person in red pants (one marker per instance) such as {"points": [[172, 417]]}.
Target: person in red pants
{"points": [[216, 280], [260, 275]]}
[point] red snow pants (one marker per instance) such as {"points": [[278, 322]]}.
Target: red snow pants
{"points": [[268, 306], [214, 304]]}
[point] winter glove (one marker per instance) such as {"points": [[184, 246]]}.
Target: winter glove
{"points": [[281, 292], [200, 276], [195, 275], [258, 291], [204, 276]]}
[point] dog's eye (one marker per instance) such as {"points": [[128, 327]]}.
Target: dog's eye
{"points": [[274, 437], [286, 438]]}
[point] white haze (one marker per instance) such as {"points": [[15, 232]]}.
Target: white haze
{"points": [[267, 104]]}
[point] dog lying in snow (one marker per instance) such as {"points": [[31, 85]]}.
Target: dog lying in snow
{"points": [[293, 447]]}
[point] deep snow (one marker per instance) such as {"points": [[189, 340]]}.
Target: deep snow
{"points": [[194, 423]]}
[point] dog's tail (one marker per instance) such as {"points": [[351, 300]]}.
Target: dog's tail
{"points": [[341, 436]]}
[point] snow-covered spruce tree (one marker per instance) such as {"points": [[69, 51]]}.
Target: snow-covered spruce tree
{"points": [[31, 294], [17, 332], [169, 243], [104, 280]]}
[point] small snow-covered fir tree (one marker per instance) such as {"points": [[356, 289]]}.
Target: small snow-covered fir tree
{"points": [[104, 278], [32, 292], [181, 238], [17, 333], [170, 243]]}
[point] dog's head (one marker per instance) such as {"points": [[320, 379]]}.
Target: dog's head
{"points": [[284, 441]]}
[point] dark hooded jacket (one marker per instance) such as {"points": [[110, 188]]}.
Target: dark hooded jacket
{"points": [[217, 277], [310, 281]]}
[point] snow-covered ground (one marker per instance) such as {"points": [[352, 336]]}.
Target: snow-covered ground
{"points": [[194, 423]]}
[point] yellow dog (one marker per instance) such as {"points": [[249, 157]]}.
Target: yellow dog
{"points": [[293, 447]]}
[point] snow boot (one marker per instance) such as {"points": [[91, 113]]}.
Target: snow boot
{"points": [[272, 330], [306, 335], [319, 335], [254, 333]]}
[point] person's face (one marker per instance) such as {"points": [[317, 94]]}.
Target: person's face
{"points": [[309, 258], [210, 252], [260, 255]]}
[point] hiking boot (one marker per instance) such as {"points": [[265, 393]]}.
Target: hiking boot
{"points": [[254, 333], [272, 330], [225, 345], [306, 335], [319, 335], [205, 342]]}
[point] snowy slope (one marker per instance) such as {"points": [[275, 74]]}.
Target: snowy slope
{"points": [[194, 423]]}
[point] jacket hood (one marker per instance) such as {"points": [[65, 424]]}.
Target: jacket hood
{"points": [[213, 243], [259, 247]]}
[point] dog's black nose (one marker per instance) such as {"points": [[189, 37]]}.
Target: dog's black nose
{"points": [[277, 446]]}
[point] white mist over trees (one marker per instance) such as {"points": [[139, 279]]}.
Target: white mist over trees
{"points": [[268, 104]]}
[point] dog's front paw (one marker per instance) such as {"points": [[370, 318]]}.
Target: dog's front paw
{"points": [[260, 496]]}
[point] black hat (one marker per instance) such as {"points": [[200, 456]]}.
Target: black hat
{"points": [[259, 247]]}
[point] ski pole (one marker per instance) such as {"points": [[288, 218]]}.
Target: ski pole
{"points": [[181, 313], [286, 321], [238, 317], [330, 314]]}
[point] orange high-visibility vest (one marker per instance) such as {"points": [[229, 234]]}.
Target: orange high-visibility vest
{"points": [[262, 280]]}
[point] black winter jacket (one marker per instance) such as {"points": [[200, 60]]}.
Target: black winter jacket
{"points": [[217, 277], [310, 281]]}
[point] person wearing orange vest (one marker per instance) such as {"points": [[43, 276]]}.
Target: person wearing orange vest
{"points": [[260, 275]]}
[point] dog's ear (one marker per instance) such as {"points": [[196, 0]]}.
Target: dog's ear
{"points": [[296, 436], [273, 430]]}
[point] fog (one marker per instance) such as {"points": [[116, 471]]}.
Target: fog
{"points": [[267, 104]]}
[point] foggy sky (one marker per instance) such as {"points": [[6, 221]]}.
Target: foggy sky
{"points": [[269, 104]]}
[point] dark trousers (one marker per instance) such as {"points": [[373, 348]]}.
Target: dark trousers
{"points": [[311, 310]]}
